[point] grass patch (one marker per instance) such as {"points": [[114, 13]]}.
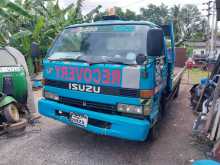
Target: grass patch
{"points": [[196, 74]]}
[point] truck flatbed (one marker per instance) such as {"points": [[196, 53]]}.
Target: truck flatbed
{"points": [[177, 76], [178, 73]]}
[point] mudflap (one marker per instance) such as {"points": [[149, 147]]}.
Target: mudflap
{"points": [[155, 130]]}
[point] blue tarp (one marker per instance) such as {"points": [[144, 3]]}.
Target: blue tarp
{"points": [[206, 162]]}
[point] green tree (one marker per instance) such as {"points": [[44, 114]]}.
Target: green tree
{"points": [[156, 14], [36, 21], [188, 23], [9, 12], [7, 5], [187, 20], [130, 15]]}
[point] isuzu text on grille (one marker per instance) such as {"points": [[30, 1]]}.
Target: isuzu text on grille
{"points": [[89, 75], [84, 88]]}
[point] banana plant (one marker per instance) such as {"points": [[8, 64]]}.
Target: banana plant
{"points": [[25, 21], [23, 39], [6, 5]]}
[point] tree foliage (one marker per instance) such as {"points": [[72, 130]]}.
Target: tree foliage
{"points": [[25, 21], [157, 14], [37, 21], [188, 22]]}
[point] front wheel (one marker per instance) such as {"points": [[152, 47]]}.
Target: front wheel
{"points": [[155, 130]]}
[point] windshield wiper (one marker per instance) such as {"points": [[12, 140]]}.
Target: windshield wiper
{"points": [[111, 62], [68, 59], [77, 59]]}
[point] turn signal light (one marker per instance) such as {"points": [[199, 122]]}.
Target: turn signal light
{"points": [[144, 94]]}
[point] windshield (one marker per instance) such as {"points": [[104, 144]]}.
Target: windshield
{"points": [[119, 43]]}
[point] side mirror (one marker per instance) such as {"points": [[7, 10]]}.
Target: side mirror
{"points": [[35, 50], [140, 59], [155, 42]]}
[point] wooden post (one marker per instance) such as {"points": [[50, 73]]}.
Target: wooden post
{"points": [[212, 112], [215, 126]]}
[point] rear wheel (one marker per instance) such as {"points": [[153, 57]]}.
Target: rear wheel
{"points": [[11, 113]]}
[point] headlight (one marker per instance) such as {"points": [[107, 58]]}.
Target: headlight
{"points": [[133, 109], [49, 95]]}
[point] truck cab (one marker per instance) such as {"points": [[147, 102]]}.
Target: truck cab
{"points": [[109, 77]]}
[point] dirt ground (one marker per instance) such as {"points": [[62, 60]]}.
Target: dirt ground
{"points": [[54, 143]]}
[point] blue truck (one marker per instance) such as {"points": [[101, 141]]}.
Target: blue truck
{"points": [[111, 77]]}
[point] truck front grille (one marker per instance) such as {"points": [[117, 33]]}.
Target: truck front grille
{"points": [[96, 107], [89, 105], [106, 90]]}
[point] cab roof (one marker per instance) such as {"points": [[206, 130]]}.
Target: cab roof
{"points": [[115, 22]]}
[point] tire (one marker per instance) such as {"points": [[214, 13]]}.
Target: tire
{"points": [[11, 113], [155, 130]]}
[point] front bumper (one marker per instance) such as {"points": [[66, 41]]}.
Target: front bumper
{"points": [[121, 127]]}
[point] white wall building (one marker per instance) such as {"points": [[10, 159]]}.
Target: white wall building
{"points": [[200, 50]]}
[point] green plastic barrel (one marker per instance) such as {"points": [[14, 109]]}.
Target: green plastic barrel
{"points": [[13, 82]]}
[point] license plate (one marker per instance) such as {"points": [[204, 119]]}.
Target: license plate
{"points": [[79, 119]]}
